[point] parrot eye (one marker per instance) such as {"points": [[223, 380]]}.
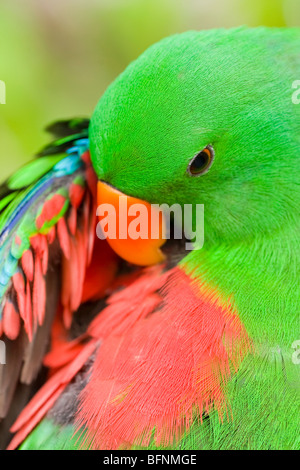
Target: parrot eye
{"points": [[201, 163]]}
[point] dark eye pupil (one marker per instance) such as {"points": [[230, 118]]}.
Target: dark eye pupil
{"points": [[199, 163]]}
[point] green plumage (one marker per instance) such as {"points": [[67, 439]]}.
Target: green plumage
{"points": [[231, 89], [48, 436]]}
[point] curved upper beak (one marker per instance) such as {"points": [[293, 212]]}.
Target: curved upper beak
{"points": [[138, 231]]}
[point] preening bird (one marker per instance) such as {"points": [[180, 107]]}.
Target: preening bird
{"points": [[194, 350]]}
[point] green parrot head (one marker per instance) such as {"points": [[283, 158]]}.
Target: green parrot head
{"points": [[208, 118]]}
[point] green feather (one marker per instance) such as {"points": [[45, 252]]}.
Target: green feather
{"points": [[50, 436], [32, 172], [231, 89]]}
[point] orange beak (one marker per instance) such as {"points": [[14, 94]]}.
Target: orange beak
{"points": [[139, 228]]}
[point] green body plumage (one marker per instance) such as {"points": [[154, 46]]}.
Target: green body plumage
{"points": [[231, 89]]}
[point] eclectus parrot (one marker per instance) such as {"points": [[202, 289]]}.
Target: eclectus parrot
{"points": [[132, 344]]}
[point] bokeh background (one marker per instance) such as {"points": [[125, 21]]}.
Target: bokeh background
{"points": [[58, 56]]}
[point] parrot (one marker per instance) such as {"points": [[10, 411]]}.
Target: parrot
{"points": [[124, 344]]}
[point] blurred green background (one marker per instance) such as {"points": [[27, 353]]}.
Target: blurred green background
{"points": [[58, 56]]}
